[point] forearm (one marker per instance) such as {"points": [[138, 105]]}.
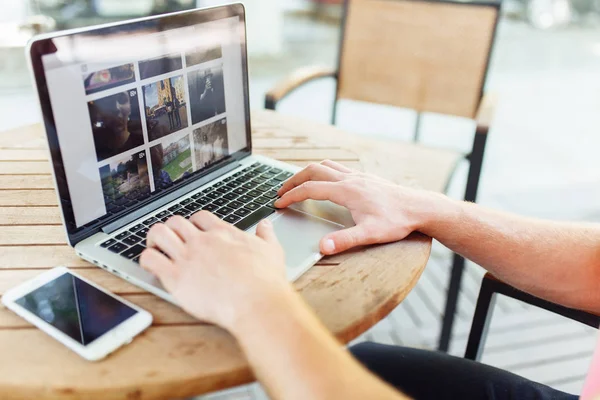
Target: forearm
{"points": [[295, 357], [553, 260]]}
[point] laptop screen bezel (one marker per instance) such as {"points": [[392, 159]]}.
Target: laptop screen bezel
{"points": [[40, 46]]}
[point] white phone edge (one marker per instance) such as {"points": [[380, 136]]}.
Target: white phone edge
{"points": [[101, 347]]}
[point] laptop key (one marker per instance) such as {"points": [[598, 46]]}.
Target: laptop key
{"points": [[197, 195], [223, 211], [260, 180], [271, 183], [131, 240], [136, 227], [253, 218], [122, 235], [186, 201], [142, 232], [150, 221], [242, 212], [252, 206], [232, 218], [133, 252], [210, 207], [117, 247], [262, 200], [108, 243], [224, 189], [263, 168], [239, 190], [271, 194], [263, 188], [175, 207], [275, 170], [162, 214], [254, 193], [220, 201], [218, 184], [235, 204], [195, 206], [244, 199], [248, 185], [230, 196]]}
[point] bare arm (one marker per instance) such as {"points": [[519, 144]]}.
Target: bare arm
{"points": [[225, 276], [557, 261], [553, 260]]}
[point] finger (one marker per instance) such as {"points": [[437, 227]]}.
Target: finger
{"points": [[265, 231], [312, 190], [159, 265], [182, 227], [314, 172], [343, 240], [337, 166], [164, 239], [207, 221]]}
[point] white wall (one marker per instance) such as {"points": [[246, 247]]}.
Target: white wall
{"points": [[264, 20]]}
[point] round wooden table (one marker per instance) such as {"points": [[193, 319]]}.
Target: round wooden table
{"points": [[180, 356]]}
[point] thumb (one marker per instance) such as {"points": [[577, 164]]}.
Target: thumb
{"points": [[345, 239], [265, 231]]}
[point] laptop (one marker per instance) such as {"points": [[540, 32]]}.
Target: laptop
{"points": [[149, 118]]}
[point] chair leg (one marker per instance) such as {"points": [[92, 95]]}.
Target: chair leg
{"points": [[481, 320], [458, 267], [417, 133]]}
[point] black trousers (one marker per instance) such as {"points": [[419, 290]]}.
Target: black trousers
{"points": [[424, 375]]}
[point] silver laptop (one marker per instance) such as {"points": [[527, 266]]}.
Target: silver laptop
{"points": [[150, 118]]}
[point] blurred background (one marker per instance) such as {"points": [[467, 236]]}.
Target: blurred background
{"points": [[541, 158]]}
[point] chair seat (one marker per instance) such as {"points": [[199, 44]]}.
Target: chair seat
{"points": [[415, 165]]}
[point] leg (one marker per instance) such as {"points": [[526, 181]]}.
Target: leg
{"points": [[423, 375]]}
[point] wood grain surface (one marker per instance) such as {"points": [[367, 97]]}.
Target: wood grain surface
{"points": [[438, 66], [180, 356]]}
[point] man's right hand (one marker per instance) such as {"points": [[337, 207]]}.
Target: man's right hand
{"points": [[383, 212]]}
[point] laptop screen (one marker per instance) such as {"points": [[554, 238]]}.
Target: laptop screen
{"points": [[140, 108]]}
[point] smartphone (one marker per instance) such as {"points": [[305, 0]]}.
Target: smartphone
{"points": [[79, 314]]}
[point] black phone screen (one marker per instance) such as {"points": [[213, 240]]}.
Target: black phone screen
{"points": [[76, 308]]}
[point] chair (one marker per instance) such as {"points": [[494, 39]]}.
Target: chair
{"points": [[438, 65], [490, 286]]}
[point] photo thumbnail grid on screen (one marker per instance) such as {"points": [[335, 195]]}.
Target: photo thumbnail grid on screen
{"points": [[124, 181], [207, 93], [171, 160], [203, 53], [116, 123], [108, 78], [210, 143], [165, 107], [160, 65]]}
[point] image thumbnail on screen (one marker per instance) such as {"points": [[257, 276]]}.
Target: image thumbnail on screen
{"points": [[124, 181], [210, 143], [165, 107], [171, 161], [116, 124], [207, 94], [201, 54], [108, 78], [160, 65]]}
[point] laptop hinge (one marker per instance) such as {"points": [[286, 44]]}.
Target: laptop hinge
{"points": [[155, 205]]}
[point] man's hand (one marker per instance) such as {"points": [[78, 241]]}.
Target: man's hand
{"points": [[215, 271], [383, 212]]}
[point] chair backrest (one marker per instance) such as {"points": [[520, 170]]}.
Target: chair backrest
{"points": [[428, 55]]}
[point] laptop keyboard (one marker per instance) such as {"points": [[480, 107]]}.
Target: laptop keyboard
{"points": [[242, 199]]}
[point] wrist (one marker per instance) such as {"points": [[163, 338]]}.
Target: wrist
{"points": [[269, 303], [433, 210]]}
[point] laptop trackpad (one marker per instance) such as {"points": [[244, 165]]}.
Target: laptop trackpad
{"points": [[299, 234]]}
